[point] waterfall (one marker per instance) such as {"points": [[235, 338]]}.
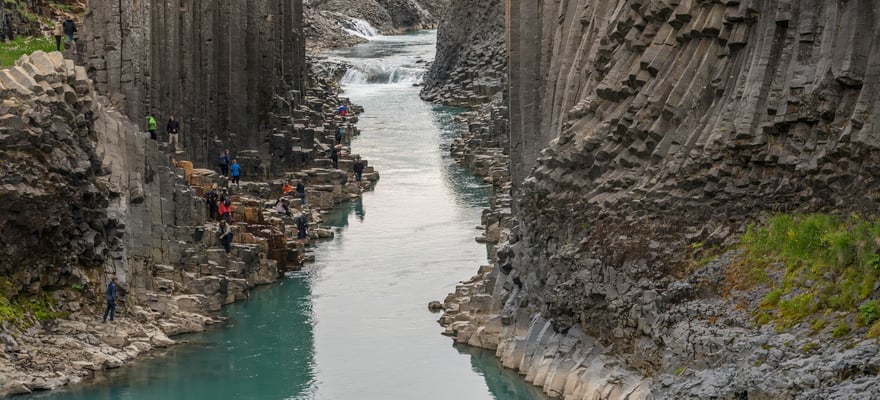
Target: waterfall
{"points": [[374, 73], [361, 28]]}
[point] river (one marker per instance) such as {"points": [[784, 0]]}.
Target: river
{"points": [[354, 325]]}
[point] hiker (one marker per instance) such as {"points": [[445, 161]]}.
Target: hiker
{"points": [[224, 163], [211, 197], [173, 128], [301, 191], [281, 207], [225, 233], [235, 169], [286, 189], [340, 134], [59, 33], [358, 170], [334, 155], [151, 125], [302, 226], [343, 110], [224, 207], [111, 299], [68, 27]]}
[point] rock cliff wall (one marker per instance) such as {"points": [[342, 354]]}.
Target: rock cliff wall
{"points": [[85, 196], [224, 68], [338, 23], [641, 128], [470, 67]]}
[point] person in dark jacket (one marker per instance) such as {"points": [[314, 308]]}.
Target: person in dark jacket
{"points": [[112, 291], [334, 156], [358, 170], [226, 236], [224, 163], [211, 197], [340, 134], [173, 128], [302, 226], [301, 191], [69, 29]]}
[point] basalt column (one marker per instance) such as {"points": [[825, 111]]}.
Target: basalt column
{"points": [[527, 62], [215, 64]]}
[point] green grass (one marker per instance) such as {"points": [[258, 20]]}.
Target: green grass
{"points": [[812, 263], [11, 51]]}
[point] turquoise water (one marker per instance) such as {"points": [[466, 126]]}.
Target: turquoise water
{"points": [[355, 324]]}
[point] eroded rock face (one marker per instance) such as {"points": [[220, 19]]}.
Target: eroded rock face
{"points": [[225, 69], [387, 16], [87, 196], [666, 124], [54, 217], [338, 23], [470, 67]]}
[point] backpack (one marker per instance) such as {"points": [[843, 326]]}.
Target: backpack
{"points": [[227, 201]]}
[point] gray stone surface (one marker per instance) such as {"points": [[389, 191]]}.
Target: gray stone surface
{"points": [[639, 128], [86, 196], [328, 22], [220, 67], [470, 67]]}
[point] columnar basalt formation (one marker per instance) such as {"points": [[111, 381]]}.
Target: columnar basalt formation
{"points": [[90, 197], [641, 128], [470, 66], [225, 68], [87, 195]]}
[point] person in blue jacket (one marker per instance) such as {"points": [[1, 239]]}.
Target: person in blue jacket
{"points": [[235, 170], [112, 291]]}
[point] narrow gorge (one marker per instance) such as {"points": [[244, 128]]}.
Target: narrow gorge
{"points": [[619, 156]]}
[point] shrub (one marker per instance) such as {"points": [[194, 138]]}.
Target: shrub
{"points": [[870, 312], [772, 298], [874, 330], [841, 330]]}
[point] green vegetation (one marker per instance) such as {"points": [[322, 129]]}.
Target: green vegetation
{"points": [[815, 263], [809, 347], [874, 330], [11, 51], [41, 307], [23, 10], [870, 312], [841, 330]]}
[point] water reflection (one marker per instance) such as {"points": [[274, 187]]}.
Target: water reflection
{"points": [[359, 209], [503, 383], [469, 190], [338, 217], [264, 351]]}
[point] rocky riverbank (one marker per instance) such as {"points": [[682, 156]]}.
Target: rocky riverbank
{"points": [[91, 196]]}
